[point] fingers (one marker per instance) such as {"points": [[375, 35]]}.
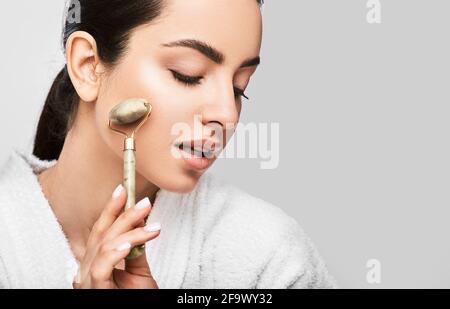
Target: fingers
{"points": [[110, 253], [112, 210], [139, 265], [129, 219], [111, 239], [104, 262], [138, 236]]}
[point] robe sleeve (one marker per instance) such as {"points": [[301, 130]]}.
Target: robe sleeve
{"points": [[295, 262], [4, 284]]}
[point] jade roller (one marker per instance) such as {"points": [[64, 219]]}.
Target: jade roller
{"points": [[127, 113]]}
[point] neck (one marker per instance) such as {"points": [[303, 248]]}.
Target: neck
{"points": [[80, 184]]}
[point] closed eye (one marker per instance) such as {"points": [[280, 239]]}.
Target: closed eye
{"points": [[187, 80], [191, 81]]}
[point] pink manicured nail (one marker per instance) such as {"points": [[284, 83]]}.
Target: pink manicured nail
{"points": [[124, 246], [153, 227], [117, 191], [144, 203]]}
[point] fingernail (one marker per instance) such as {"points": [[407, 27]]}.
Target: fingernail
{"points": [[124, 246], [117, 191], [144, 203], [153, 227]]}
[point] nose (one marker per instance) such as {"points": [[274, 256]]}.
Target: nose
{"points": [[223, 108]]}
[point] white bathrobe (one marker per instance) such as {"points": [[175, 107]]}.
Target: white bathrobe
{"points": [[216, 236]]}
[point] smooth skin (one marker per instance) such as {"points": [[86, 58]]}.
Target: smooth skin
{"points": [[78, 187]]}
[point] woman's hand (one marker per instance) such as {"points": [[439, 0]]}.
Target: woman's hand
{"points": [[110, 241]]}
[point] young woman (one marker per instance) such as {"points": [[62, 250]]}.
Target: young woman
{"points": [[61, 218]]}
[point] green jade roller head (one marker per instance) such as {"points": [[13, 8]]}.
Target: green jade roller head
{"points": [[127, 113]]}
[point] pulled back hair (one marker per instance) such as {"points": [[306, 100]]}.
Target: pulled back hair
{"points": [[110, 22]]}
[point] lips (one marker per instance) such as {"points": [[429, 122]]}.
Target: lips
{"points": [[200, 148]]}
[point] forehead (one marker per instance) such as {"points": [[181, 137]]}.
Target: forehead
{"points": [[233, 27]]}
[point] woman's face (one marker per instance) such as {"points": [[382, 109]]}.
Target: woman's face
{"points": [[205, 103]]}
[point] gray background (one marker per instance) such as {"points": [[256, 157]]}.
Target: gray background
{"points": [[362, 108]]}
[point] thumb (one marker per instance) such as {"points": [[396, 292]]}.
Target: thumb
{"points": [[138, 265]]}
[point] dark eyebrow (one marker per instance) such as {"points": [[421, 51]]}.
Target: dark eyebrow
{"points": [[251, 62], [209, 51]]}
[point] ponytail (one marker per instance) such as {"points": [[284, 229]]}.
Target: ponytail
{"points": [[56, 117]]}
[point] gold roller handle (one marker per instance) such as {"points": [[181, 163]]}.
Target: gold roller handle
{"points": [[129, 180], [125, 113]]}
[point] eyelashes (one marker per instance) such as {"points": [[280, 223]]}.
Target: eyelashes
{"points": [[187, 80], [196, 80], [238, 92]]}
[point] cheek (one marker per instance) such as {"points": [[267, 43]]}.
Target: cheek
{"points": [[154, 138], [113, 140]]}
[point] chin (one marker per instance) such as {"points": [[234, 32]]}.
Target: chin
{"points": [[183, 182]]}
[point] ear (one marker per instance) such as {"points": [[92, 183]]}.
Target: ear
{"points": [[83, 65]]}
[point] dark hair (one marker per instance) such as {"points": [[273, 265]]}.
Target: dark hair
{"points": [[110, 22]]}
